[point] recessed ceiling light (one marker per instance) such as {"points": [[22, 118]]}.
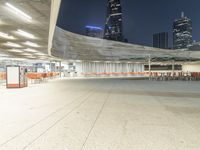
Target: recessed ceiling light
{"points": [[6, 36], [18, 12], [31, 44], [15, 51], [4, 55], [12, 44], [40, 54], [25, 34], [30, 50]]}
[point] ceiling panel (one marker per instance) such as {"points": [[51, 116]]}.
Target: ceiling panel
{"points": [[11, 20]]}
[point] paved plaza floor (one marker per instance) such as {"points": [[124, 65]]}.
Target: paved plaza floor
{"points": [[101, 114]]}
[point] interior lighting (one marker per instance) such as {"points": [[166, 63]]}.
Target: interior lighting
{"points": [[12, 44], [31, 44], [40, 54], [3, 55], [30, 50], [15, 51], [25, 34], [6, 36], [19, 12]]}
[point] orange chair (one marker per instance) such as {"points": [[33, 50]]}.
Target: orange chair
{"points": [[34, 77]]}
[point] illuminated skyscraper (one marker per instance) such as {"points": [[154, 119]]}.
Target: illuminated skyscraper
{"points": [[94, 31], [113, 26], [182, 32]]}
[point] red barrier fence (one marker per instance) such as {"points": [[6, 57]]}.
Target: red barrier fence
{"points": [[34, 76], [42, 76], [115, 74], [2, 76]]}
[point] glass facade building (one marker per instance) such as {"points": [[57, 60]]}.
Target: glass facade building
{"points": [[113, 26], [182, 33], [160, 40]]}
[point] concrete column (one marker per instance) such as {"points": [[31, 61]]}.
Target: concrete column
{"points": [[149, 67], [173, 67], [60, 68], [50, 66]]}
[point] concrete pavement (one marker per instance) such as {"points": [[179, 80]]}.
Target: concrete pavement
{"points": [[101, 114]]}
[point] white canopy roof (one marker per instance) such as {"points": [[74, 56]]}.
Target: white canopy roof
{"points": [[67, 45]]}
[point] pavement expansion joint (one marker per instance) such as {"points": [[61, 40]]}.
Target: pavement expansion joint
{"points": [[90, 92], [98, 115]]}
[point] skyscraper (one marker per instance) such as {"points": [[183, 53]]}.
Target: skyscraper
{"points": [[195, 46], [113, 26], [182, 32], [160, 40], [94, 31]]}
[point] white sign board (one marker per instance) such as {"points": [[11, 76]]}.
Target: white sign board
{"points": [[13, 76]]}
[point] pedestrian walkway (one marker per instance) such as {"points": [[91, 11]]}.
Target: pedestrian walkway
{"points": [[101, 114]]}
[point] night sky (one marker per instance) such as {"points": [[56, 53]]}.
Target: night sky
{"points": [[141, 18]]}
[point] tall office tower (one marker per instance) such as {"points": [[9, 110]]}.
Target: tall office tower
{"points": [[113, 26], [195, 46], [94, 31], [160, 40], [182, 32]]}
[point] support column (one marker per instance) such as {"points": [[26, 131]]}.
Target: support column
{"points": [[60, 68], [173, 67], [149, 67], [50, 66]]}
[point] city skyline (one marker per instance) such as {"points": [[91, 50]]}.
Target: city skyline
{"points": [[142, 19], [113, 29], [160, 40], [182, 32]]}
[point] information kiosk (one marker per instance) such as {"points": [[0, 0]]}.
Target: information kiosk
{"points": [[16, 77]]}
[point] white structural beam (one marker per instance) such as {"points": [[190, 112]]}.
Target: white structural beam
{"points": [[55, 7]]}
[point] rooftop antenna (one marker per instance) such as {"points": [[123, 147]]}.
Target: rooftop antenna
{"points": [[182, 14]]}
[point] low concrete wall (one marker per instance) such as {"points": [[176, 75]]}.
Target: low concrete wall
{"points": [[191, 68], [108, 68]]}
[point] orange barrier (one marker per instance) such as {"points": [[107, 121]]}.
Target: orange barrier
{"points": [[114, 74], [2, 76], [34, 76], [41, 76]]}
